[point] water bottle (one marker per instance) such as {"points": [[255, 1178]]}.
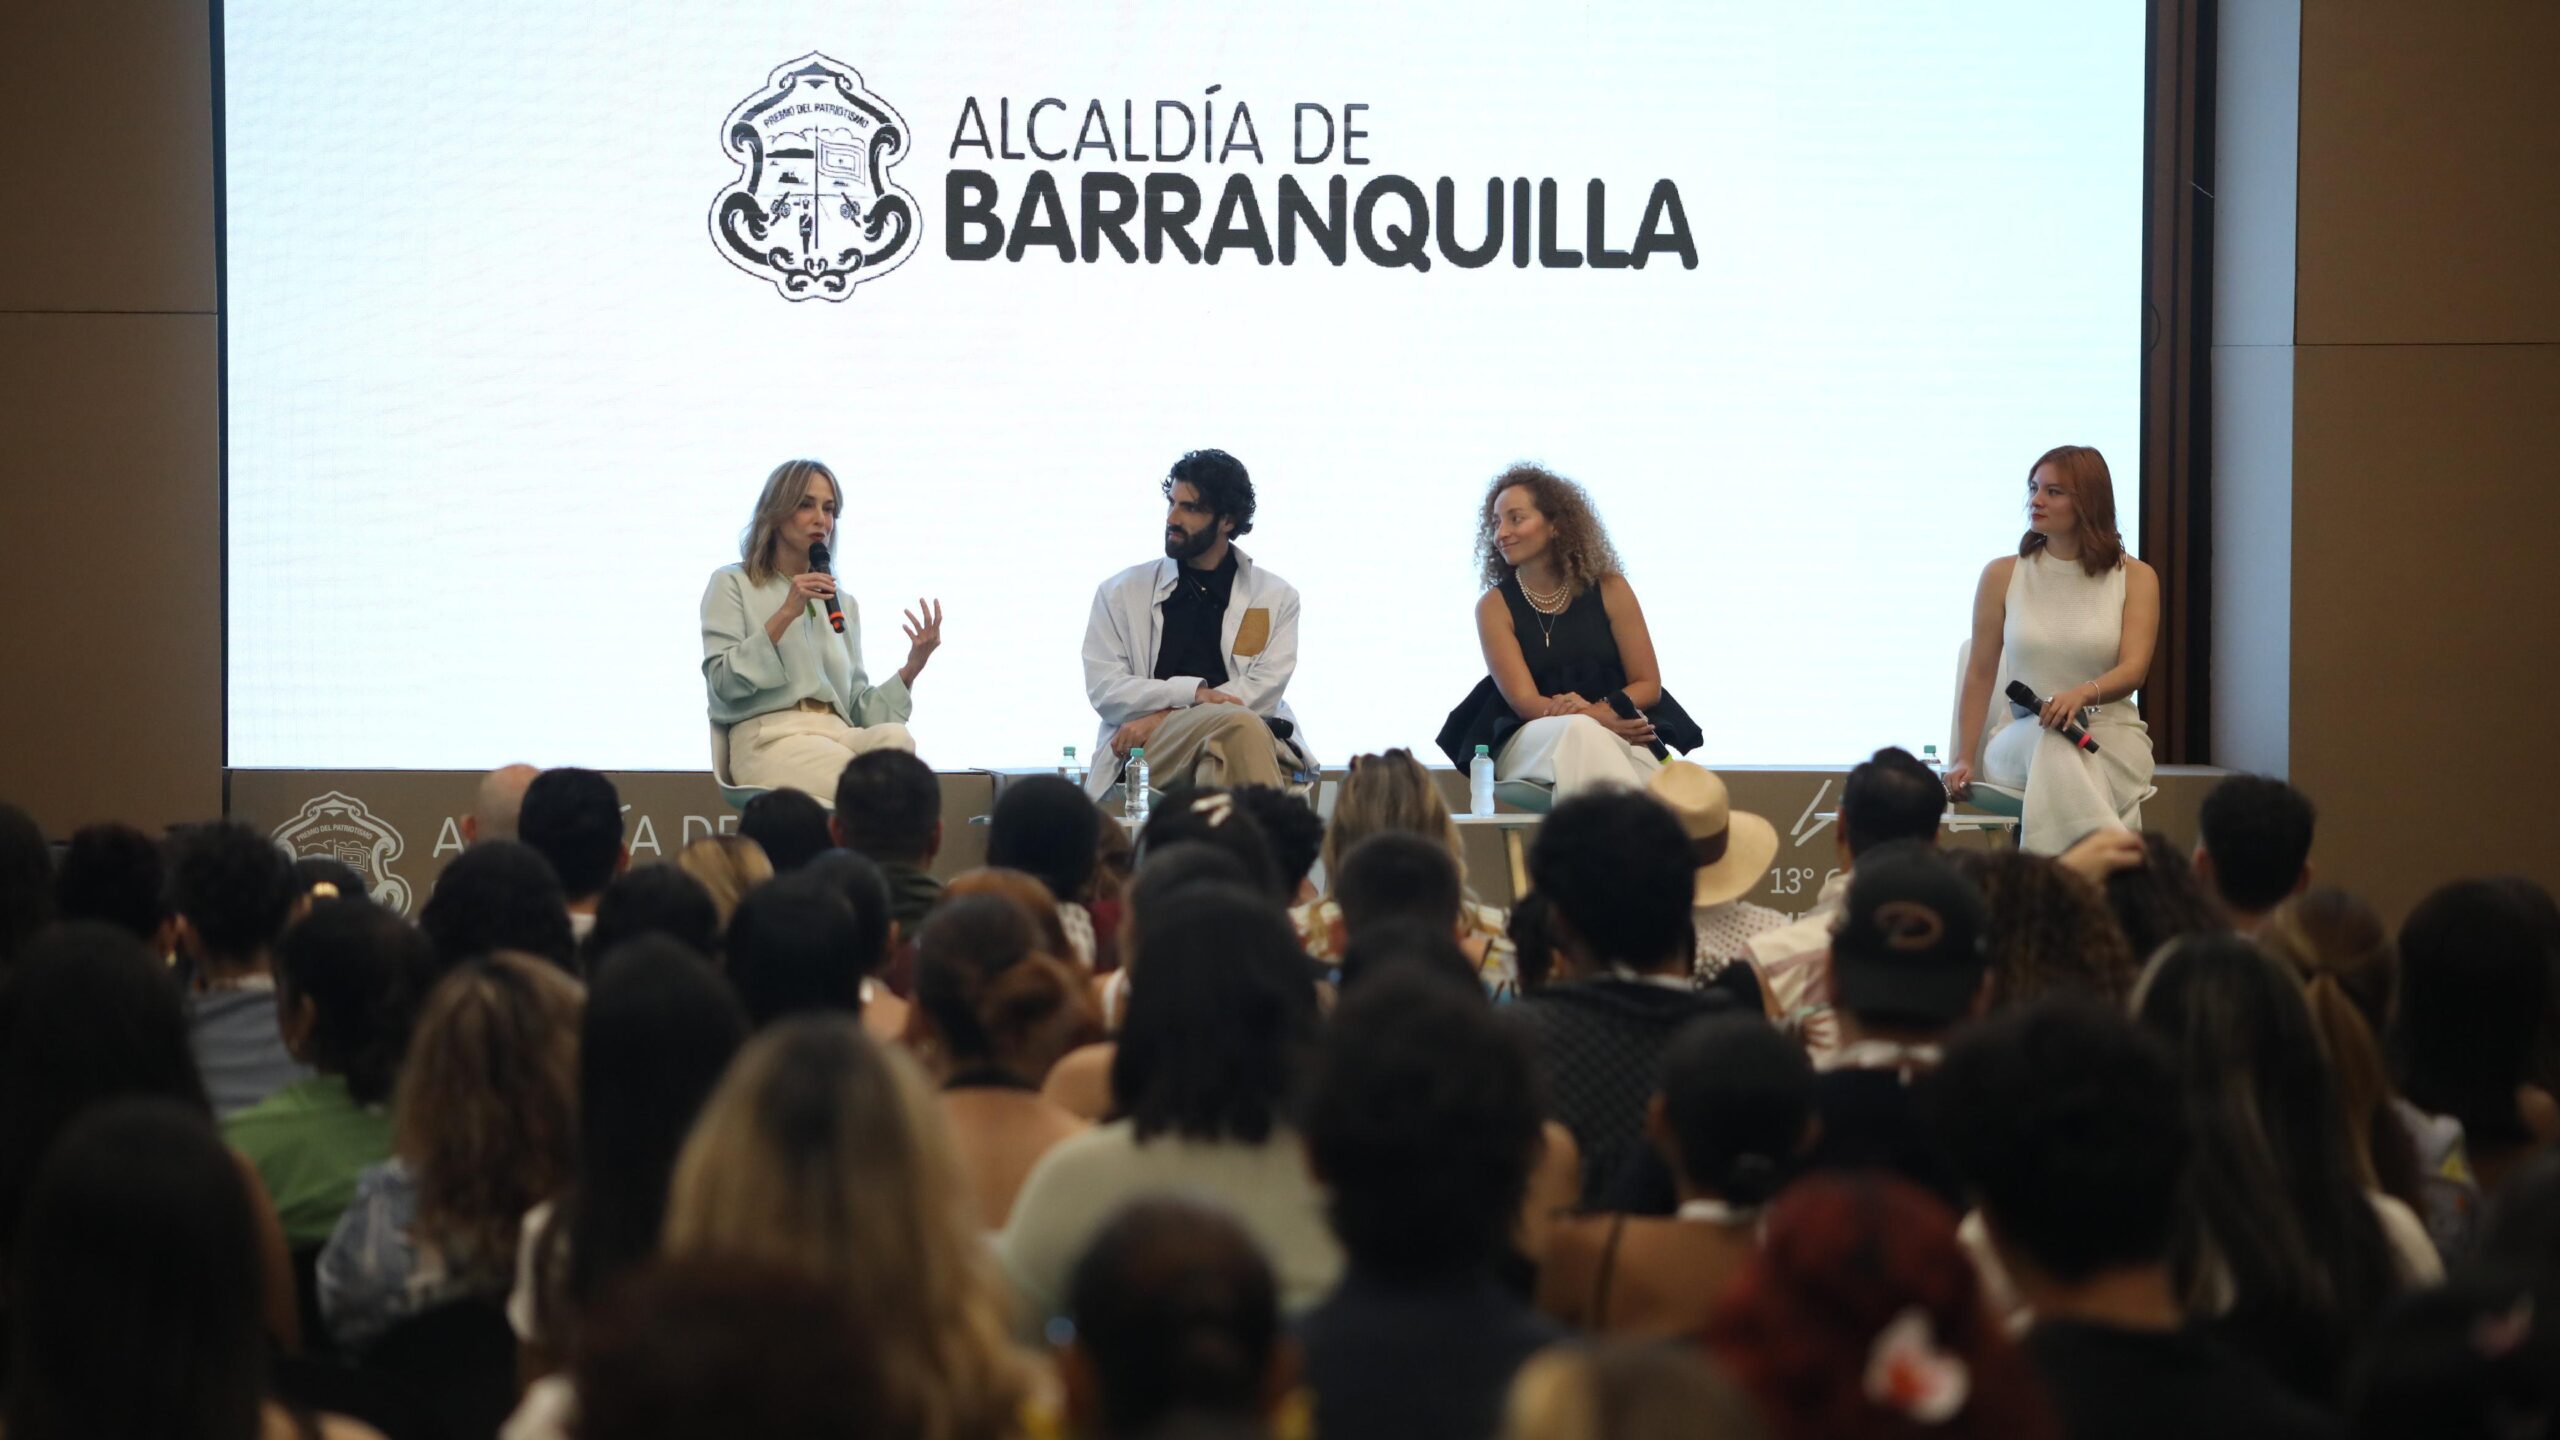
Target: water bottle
{"points": [[1480, 782], [1069, 770], [1134, 789], [1929, 756]]}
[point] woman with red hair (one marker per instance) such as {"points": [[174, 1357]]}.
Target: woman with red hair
{"points": [[1862, 1316]]}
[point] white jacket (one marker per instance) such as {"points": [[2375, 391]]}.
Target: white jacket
{"points": [[1127, 628]]}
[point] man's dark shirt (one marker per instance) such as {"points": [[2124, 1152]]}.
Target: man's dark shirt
{"points": [[1602, 1042], [2113, 1384], [1416, 1361], [1195, 617], [1878, 1120]]}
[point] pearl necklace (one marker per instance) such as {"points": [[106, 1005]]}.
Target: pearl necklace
{"points": [[1548, 602]]}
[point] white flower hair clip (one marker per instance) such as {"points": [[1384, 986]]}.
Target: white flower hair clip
{"points": [[1909, 1373], [1215, 808]]}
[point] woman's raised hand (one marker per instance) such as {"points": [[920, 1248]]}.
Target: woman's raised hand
{"points": [[923, 629]]}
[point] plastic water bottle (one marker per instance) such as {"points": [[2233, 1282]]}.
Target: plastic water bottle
{"points": [[1134, 790], [1069, 770], [1929, 756], [1480, 782]]}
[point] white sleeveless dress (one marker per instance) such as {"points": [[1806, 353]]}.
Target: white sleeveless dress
{"points": [[2064, 629]]}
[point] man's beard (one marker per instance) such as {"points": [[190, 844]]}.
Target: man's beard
{"points": [[1191, 546]]}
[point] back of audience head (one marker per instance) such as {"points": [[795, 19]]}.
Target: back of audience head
{"points": [[574, 818], [313, 879], [114, 874], [660, 1028], [654, 900], [729, 867], [496, 804], [690, 1348], [1617, 872], [1627, 1390], [1026, 894], [87, 1014], [823, 1151], [795, 948], [2520, 1228], [349, 978], [1170, 870], [26, 880], [2544, 911], [1391, 792], [1734, 1109], [889, 808], [1177, 1316], [2335, 945], [2477, 1359], [229, 887], [2275, 1217], [2070, 1128], [990, 995], [2161, 899], [864, 888], [1908, 956], [2253, 843], [1423, 1120], [2475, 990], [1292, 830], [1398, 875], [788, 825], [1531, 940], [1222, 1011], [1211, 817], [485, 1112], [135, 1284], [1399, 943], [2047, 929], [1860, 1273], [1890, 796], [499, 895], [1044, 825]]}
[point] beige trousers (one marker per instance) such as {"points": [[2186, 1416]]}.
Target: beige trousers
{"points": [[1224, 745], [804, 750]]}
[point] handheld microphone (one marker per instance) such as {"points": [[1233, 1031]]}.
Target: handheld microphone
{"points": [[1626, 709], [2028, 700], [835, 612]]}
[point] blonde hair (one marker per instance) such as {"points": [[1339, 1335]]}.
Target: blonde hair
{"points": [[728, 866], [1584, 556], [1626, 1390], [2337, 946], [486, 1111], [823, 1151], [2093, 506], [783, 490], [1382, 793]]}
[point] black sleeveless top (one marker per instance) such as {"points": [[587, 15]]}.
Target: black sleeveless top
{"points": [[1573, 652]]}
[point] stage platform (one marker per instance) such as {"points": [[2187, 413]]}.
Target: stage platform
{"points": [[400, 827]]}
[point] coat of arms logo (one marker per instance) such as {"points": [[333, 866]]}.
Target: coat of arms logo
{"points": [[813, 209], [337, 825]]}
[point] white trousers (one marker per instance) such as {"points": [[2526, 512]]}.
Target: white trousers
{"points": [[804, 750], [2069, 792], [1573, 753]]}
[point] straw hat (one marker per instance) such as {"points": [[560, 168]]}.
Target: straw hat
{"points": [[1732, 846]]}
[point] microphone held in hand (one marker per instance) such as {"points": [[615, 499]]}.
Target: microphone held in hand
{"points": [[2031, 703], [1626, 710], [835, 613]]}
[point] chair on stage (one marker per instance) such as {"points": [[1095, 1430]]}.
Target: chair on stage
{"points": [[730, 790]]}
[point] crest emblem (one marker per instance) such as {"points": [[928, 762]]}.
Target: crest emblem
{"points": [[338, 826], [813, 209]]}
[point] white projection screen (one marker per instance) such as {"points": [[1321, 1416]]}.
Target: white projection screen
{"points": [[500, 394]]}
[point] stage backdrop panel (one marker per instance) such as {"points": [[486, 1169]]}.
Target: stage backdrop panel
{"points": [[523, 301]]}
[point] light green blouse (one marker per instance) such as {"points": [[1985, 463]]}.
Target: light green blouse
{"points": [[747, 674]]}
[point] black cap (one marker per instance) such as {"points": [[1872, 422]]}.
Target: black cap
{"points": [[1909, 947]]}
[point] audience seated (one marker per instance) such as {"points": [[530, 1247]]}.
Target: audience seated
{"points": [[1044, 826], [1888, 796], [227, 886], [1222, 1012], [788, 825], [697, 1348], [728, 867], [1295, 833], [2277, 1245], [2478, 1359], [1615, 869], [822, 1152], [652, 900], [884, 1011], [889, 811], [1177, 1323], [2544, 912], [1026, 895], [115, 874], [1627, 1390], [496, 804], [2253, 847], [1393, 794], [1211, 817], [1395, 942], [26, 881], [993, 1013], [1906, 969], [1534, 943], [1862, 1316], [2047, 929], [499, 895], [1423, 1123], [349, 978], [2160, 899], [1732, 1118], [573, 818], [483, 1125], [1397, 875], [2337, 947], [2071, 1131], [135, 1288], [311, 879], [795, 948], [1733, 849]]}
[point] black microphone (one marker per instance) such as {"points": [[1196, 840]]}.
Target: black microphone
{"points": [[835, 612], [1626, 709], [2026, 699]]}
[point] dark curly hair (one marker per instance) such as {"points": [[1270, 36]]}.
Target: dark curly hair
{"points": [[2051, 930], [1224, 487], [1583, 553]]}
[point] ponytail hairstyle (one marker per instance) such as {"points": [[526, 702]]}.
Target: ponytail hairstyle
{"points": [[2336, 944], [993, 994], [2093, 506], [1737, 1098]]}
